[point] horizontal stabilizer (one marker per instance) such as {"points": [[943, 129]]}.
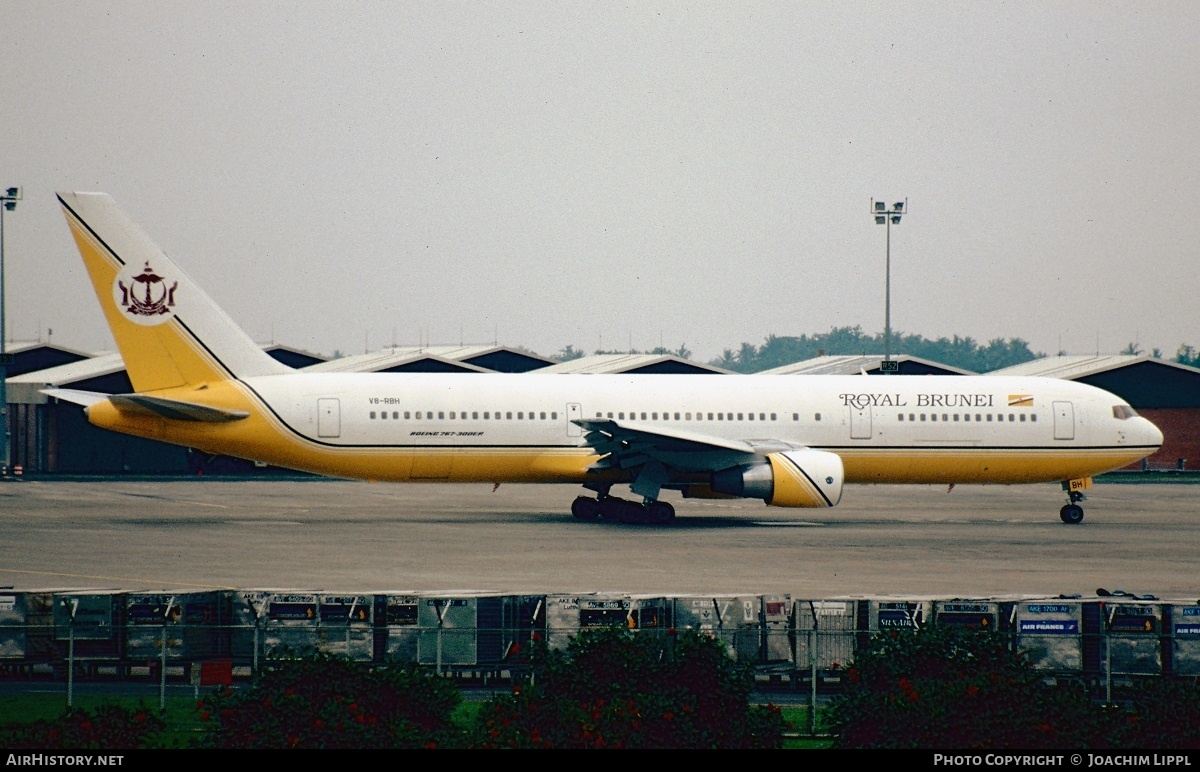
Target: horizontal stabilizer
{"points": [[174, 409], [147, 405], [76, 396]]}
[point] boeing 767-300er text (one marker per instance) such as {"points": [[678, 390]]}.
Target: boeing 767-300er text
{"points": [[792, 441]]}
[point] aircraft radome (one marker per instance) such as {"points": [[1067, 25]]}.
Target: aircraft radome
{"points": [[792, 441]]}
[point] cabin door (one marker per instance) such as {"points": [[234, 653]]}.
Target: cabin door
{"points": [[329, 417], [1064, 421], [574, 411], [860, 423]]}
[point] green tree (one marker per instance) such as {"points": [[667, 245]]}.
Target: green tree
{"points": [[961, 352], [1165, 714], [568, 353], [948, 687], [613, 688], [323, 701], [1187, 355], [727, 360]]}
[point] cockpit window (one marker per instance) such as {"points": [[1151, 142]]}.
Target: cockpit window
{"points": [[1123, 411]]}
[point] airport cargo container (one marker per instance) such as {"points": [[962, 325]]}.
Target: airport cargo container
{"points": [[89, 623], [346, 625], [568, 615], [753, 628], [14, 625], [1183, 626], [272, 623], [1132, 641], [897, 614], [473, 629], [777, 625], [983, 615], [191, 623], [400, 623], [825, 633], [1051, 632]]}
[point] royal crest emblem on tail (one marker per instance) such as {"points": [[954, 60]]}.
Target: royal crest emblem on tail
{"points": [[145, 296]]}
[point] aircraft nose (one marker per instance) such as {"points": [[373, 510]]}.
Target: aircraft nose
{"points": [[1154, 435]]}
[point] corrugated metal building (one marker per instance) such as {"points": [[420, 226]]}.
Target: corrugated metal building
{"points": [[870, 364], [641, 364]]}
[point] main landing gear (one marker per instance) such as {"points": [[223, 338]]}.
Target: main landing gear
{"points": [[619, 510], [1072, 513]]}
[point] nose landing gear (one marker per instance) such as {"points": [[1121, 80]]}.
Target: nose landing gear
{"points": [[1072, 513]]}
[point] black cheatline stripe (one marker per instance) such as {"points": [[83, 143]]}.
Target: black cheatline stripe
{"points": [[811, 482], [220, 363], [95, 235]]}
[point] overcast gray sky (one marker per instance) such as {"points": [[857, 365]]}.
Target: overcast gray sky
{"points": [[345, 175]]}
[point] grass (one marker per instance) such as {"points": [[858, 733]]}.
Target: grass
{"points": [[181, 716]]}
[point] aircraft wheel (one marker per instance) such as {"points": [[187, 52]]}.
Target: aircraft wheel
{"points": [[660, 513], [610, 508], [1072, 514], [631, 513], [584, 508]]}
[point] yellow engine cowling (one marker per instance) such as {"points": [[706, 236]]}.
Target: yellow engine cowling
{"points": [[793, 478]]}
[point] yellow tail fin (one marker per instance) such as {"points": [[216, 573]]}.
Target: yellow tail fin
{"points": [[168, 331]]}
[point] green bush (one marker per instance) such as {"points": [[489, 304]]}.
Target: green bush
{"points": [[323, 701], [948, 687], [1165, 714], [108, 727], [613, 688]]}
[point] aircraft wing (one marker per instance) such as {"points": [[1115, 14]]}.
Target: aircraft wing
{"points": [[655, 457], [629, 444]]}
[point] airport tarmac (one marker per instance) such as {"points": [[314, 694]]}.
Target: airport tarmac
{"points": [[356, 536]]}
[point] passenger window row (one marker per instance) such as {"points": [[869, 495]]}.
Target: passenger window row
{"points": [[667, 416], [966, 417], [462, 415]]}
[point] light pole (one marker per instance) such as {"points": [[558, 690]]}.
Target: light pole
{"points": [[9, 201], [888, 217]]}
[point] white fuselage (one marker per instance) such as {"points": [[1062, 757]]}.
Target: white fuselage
{"points": [[887, 429]]}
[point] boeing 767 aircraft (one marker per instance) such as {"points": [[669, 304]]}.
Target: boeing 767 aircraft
{"points": [[792, 441]]}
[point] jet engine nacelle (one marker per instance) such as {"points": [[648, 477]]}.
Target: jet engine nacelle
{"points": [[793, 478]]}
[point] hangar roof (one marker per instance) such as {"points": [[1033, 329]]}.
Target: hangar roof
{"points": [[853, 365], [1142, 380], [18, 346], [37, 355], [293, 357], [1071, 366], [26, 388], [397, 360], [462, 358], [632, 363], [504, 359]]}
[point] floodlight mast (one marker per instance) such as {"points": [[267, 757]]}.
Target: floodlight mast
{"points": [[8, 202], [888, 217]]}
